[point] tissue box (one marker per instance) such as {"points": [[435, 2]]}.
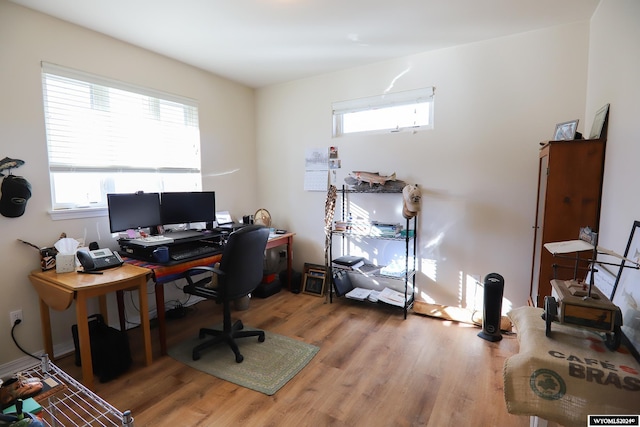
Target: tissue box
{"points": [[65, 263]]}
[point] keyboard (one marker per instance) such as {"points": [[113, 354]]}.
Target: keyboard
{"points": [[193, 252]]}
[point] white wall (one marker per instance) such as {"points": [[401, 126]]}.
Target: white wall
{"points": [[26, 39], [495, 101], [614, 77]]}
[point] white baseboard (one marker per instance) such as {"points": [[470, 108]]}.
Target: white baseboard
{"points": [[26, 362], [67, 347]]}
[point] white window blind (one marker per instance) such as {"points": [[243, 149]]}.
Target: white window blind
{"points": [[393, 112], [106, 136]]}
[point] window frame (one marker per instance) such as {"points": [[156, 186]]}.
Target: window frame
{"points": [[379, 102], [106, 171]]}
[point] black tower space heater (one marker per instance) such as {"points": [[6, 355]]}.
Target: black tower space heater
{"points": [[493, 291]]}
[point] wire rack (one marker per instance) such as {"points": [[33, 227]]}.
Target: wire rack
{"points": [[72, 404]]}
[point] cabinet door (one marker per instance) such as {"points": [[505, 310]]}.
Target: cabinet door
{"points": [[537, 238]]}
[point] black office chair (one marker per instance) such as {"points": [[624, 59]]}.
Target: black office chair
{"points": [[239, 273]]}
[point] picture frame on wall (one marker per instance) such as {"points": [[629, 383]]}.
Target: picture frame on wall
{"points": [[626, 292], [566, 131], [314, 279], [598, 128]]}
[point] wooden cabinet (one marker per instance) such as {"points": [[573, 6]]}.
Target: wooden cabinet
{"points": [[569, 195]]}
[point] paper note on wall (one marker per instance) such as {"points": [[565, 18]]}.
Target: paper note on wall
{"points": [[316, 169]]}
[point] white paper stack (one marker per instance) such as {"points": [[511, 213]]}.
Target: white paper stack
{"points": [[359, 294], [392, 297], [373, 296]]}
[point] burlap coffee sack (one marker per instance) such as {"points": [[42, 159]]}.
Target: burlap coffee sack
{"points": [[567, 376]]}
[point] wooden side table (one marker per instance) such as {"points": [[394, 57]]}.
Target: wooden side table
{"points": [[58, 291]]}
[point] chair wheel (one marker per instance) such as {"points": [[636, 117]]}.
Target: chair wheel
{"points": [[261, 338], [195, 356], [240, 325], [239, 358]]}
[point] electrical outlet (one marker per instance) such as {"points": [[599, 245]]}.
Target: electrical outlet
{"points": [[14, 316]]}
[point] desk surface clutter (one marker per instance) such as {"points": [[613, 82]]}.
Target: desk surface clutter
{"points": [[568, 376]]}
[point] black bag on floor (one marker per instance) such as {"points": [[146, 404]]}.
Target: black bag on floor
{"points": [[110, 352], [265, 290]]}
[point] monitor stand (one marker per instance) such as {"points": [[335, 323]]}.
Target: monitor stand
{"points": [[183, 234]]}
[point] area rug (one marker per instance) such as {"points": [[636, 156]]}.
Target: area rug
{"points": [[267, 365]]}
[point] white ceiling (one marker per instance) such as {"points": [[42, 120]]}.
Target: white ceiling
{"points": [[264, 42]]}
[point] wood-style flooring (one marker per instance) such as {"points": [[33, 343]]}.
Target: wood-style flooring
{"points": [[373, 369]]}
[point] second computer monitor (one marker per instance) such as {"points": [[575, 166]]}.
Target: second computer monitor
{"points": [[187, 207]]}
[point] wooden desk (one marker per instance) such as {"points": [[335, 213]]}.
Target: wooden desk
{"points": [[162, 274], [57, 291]]}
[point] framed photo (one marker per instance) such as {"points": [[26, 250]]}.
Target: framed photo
{"points": [[598, 128], [566, 131], [314, 279], [626, 292]]}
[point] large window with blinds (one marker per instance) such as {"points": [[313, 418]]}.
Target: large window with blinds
{"points": [[390, 112], [106, 136]]}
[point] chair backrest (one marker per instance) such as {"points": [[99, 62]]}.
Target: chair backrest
{"points": [[243, 261]]}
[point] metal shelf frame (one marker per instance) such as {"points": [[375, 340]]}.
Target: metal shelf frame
{"points": [[409, 240], [74, 404]]}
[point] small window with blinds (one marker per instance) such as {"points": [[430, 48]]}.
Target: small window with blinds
{"points": [[391, 112], [106, 136]]}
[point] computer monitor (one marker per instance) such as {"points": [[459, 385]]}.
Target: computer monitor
{"points": [[187, 207], [133, 211]]}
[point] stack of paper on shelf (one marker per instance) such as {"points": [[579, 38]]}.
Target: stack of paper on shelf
{"points": [[397, 268], [385, 230], [359, 294], [392, 297], [373, 296]]}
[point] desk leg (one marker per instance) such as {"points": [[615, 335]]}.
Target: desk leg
{"points": [[84, 340], [289, 261], [144, 320], [162, 325], [45, 320], [120, 299]]}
